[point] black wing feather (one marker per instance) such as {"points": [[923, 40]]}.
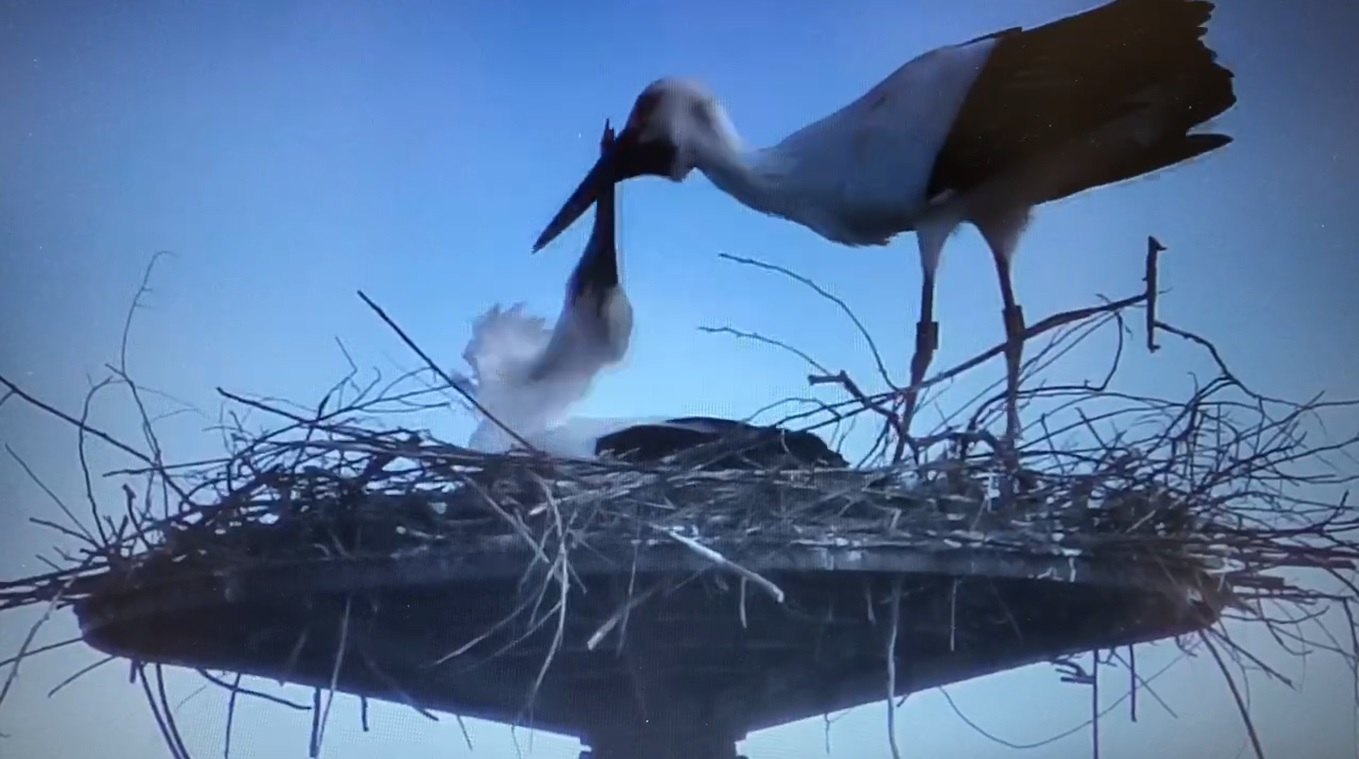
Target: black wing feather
{"points": [[1043, 88]]}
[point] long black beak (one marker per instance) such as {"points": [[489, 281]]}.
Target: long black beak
{"points": [[594, 276], [598, 267], [626, 157]]}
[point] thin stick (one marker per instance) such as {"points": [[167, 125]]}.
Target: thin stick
{"points": [[618, 616], [892, 668], [334, 674], [769, 587], [1094, 704], [429, 362], [28, 639], [1236, 696], [1154, 248], [107, 438]]}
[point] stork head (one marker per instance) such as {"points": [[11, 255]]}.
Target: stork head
{"points": [[670, 124]]}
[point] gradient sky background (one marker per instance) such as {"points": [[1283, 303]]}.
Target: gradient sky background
{"points": [[290, 153]]}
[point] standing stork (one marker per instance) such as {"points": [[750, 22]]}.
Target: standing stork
{"points": [[979, 132]]}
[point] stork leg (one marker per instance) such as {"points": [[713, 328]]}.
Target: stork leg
{"points": [[926, 343], [1001, 233], [931, 239], [1014, 349]]}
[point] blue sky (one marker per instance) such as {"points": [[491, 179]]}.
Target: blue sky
{"points": [[290, 153]]}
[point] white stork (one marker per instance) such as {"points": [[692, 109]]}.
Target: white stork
{"points": [[528, 377], [979, 132], [525, 376]]}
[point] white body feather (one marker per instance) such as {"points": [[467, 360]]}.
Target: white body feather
{"points": [[859, 175], [505, 346]]}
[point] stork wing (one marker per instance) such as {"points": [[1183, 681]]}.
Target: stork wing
{"points": [[954, 117], [878, 151], [503, 343]]}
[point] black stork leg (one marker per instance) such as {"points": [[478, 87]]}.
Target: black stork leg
{"points": [[926, 343]]}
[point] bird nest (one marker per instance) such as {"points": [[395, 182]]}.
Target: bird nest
{"points": [[342, 495], [1197, 500]]}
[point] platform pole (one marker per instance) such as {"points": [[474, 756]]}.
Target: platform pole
{"points": [[659, 745]]}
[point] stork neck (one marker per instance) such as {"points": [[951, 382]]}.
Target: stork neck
{"points": [[749, 176], [598, 265]]}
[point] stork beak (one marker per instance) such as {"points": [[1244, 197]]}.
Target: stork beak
{"points": [[597, 269], [626, 157], [603, 234]]}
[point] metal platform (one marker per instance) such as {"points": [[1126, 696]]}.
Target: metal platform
{"points": [[693, 668]]}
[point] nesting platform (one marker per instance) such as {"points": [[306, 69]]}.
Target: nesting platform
{"points": [[651, 610], [700, 658]]}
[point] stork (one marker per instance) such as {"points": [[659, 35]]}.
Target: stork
{"points": [[980, 132], [527, 378]]}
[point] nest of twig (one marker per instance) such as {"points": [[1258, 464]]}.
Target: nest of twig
{"points": [[337, 493]]}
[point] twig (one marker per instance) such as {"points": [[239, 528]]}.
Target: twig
{"points": [[757, 337], [28, 639], [83, 533], [104, 436], [1236, 696], [340, 650], [429, 362], [840, 303], [773, 590], [1094, 704], [842, 379], [895, 608], [1154, 249], [619, 615], [85, 670]]}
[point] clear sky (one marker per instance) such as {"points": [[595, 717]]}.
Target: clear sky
{"points": [[290, 153]]}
